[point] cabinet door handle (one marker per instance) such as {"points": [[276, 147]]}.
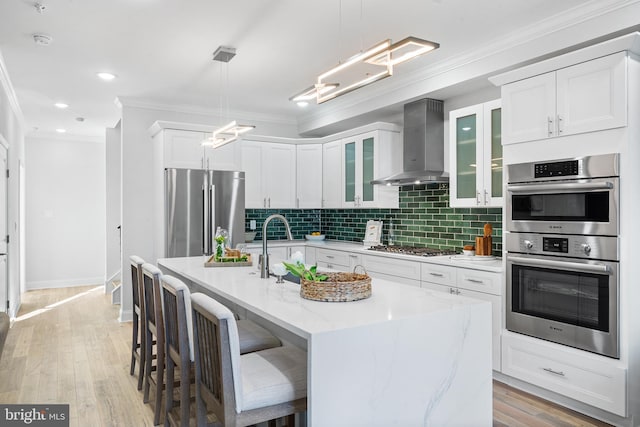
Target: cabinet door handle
{"points": [[475, 281], [329, 265], [437, 274], [269, 202], [478, 202], [550, 126], [264, 202], [559, 124], [560, 373], [457, 291]]}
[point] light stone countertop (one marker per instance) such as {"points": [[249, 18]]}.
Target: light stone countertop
{"points": [[494, 265], [406, 356]]}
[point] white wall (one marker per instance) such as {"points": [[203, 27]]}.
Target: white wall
{"points": [[12, 131], [65, 212], [112, 200]]}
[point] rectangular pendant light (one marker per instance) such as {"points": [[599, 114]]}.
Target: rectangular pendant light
{"points": [[311, 92], [384, 55], [226, 134], [354, 60], [403, 51]]}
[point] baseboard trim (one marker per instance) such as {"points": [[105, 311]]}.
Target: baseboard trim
{"points": [[125, 315], [65, 283]]}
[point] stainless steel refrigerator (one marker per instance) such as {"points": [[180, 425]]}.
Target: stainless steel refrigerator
{"points": [[196, 203]]}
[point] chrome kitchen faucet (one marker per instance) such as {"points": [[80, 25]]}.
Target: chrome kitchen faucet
{"points": [[264, 266]]}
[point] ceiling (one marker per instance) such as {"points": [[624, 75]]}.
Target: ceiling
{"points": [[161, 50]]}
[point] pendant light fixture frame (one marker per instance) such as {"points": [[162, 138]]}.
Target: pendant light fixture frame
{"points": [[232, 130]]}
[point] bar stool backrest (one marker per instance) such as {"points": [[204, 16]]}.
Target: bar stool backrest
{"points": [[217, 357]]}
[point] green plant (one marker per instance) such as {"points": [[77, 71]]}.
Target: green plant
{"points": [[298, 269]]}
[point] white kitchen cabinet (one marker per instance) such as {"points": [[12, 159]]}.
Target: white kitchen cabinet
{"points": [[476, 156], [332, 174], [585, 97], [309, 176], [270, 174], [366, 157], [183, 149], [392, 267], [483, 285], [592, 379], [329, 258]]}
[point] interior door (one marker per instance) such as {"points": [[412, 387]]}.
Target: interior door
{"points": [[4, 290]]}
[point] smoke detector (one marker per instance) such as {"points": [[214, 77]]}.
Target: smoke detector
{"points": [[224, 54], [42, 39]]}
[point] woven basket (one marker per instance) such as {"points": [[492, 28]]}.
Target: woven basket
{"points": [[339, 287]]}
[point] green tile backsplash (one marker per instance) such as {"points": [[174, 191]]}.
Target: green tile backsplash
{"points": [[423, 219]]}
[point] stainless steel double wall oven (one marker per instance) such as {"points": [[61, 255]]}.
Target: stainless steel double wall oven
{"points": [[562, 222]]}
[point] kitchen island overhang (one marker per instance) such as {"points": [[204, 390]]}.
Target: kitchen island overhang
{"points": [[405, 356]]}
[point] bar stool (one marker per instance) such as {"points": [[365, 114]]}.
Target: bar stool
{"points": [[138, 343], [176, 305], [247, 389], [177, 315], [154, 330]]}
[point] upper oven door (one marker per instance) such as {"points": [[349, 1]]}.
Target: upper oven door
{"points": [[584, 206]]}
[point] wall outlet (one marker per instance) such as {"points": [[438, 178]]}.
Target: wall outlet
{"points": [[252, 224]]}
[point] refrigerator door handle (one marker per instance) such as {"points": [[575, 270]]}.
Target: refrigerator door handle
{"points": [[212, 209], [205, 224]]}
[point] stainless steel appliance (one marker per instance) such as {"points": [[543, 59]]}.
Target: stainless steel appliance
{"points": [[573, 196], [412, 250], [196, 203], [422, 145], [565, 289], [562, 223]]}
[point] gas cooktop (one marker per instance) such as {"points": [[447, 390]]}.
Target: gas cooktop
{"points": [[413, 250]]}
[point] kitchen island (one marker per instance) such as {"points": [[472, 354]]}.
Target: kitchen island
{"points": [[406, 356]]}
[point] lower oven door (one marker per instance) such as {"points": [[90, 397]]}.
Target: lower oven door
{"points": [[564, 300]]}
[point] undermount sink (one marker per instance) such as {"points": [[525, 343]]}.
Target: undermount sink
{"points": [[291, 278]]}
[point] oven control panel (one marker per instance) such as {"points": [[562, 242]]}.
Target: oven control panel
{"points": [[564, 245], [551, 169]]}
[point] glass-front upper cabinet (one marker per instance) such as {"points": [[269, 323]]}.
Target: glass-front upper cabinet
{"points": [[476, 156], [363, 161]]}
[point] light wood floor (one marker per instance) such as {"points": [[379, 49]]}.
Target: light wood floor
{"points": [[67, 346]]}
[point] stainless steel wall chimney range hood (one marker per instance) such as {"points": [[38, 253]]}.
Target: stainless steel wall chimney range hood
{"points": [[423, 145]]}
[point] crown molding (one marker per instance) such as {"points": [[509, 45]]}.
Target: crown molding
{"points": [[50, 136], [389, 91], [5, 81], [132, 102]]}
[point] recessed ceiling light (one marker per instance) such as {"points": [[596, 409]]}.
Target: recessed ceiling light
{"points": [[106, 76], [60, 130], [302, 104], [61, 105]]}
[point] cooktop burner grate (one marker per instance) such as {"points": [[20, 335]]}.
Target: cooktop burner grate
{"points": [[413, 250]]}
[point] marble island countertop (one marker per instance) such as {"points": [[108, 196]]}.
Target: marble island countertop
{"points": [[282, 304], [493, 265], [406, 356]]}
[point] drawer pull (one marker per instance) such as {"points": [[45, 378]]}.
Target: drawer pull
{"points": [[553, 372], [353, 256], [475, 281], [330, 256], [437, 274]]}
